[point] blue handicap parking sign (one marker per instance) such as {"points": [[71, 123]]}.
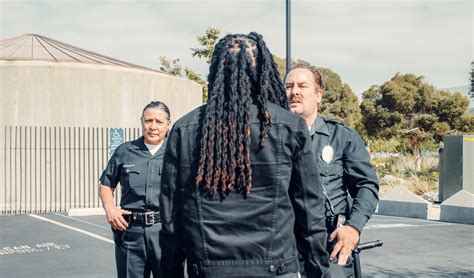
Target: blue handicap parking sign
{"points": [[116, 137]]}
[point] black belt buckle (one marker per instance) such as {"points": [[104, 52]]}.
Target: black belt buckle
{"points": [[149, 218]]}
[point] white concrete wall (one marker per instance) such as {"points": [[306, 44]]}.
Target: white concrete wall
{"points": [[44, 167], [36, 93]]}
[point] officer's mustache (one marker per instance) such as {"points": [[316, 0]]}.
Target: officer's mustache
{"points": [[295, 99]]}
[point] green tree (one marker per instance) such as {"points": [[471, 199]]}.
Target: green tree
{"points": [[174, 67], [466, 123], [451, 107], [413, 111], [170, 66], [194, 76], [339, 101], [207, 43], [281, 64]]}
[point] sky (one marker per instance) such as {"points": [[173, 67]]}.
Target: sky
{"points": [[365, 41]]}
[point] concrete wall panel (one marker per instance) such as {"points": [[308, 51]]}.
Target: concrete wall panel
{"points": [[70, 94]]}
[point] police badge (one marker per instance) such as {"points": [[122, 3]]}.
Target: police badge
{"points": [[327, 153]]}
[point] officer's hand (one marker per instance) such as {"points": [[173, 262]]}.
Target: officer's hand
{"points": [[115, 218], [347, 238]]}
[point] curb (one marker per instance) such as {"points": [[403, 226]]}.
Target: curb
{"points": [[85, 212]]}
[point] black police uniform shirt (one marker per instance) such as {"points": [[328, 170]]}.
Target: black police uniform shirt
{"points": [[344, 167], [139, 174]]}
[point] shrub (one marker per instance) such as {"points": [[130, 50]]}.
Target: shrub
{"points": [[419, 174]]}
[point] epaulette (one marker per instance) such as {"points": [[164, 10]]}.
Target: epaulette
{"points": [[334, 121], [338, 122]]}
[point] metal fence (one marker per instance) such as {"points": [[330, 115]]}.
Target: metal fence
{"points": [[52, 169]]}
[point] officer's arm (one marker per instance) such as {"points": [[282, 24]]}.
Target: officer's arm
{"points": [[361, 180], [109, 180], [170, 242], [308, 203], [113, 214]]}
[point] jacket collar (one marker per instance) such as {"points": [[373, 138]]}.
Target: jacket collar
{"points": [[319, 126]]}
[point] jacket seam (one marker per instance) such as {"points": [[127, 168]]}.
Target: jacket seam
{"points": [[276, 197], [198, 197]]}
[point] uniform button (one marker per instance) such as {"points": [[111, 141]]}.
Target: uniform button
{"points": [[271, 268], [327, 172], [149, 185], [148, 201]]}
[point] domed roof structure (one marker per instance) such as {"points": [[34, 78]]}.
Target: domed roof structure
{"points": [[61, 103], [36, 47], [45, 82]]}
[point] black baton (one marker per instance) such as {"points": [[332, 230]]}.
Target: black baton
{"points": [[355, 255]]}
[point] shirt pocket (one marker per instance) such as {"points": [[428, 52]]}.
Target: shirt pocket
{"points": [[131, 176], [330, 173]]}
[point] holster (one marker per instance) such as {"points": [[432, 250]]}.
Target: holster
{"points": [[335, 221], [332, 223]]}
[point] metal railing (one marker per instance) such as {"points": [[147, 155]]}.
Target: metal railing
{"points": [[52, 169]]}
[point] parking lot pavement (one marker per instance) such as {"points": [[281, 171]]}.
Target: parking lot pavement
{"points": [[56, 245], [418, 248]]}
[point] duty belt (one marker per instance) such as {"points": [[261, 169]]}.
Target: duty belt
{"points": [[148, 218]]}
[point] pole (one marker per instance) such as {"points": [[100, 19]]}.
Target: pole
{"points": [[357, 271], [288, 35]]}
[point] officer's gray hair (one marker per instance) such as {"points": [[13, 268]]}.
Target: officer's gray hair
{"points": [[318, 76], [157, 105]]}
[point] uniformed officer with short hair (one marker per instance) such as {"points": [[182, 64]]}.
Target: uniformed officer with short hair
{"points": [[137, 166], [344, 167]]}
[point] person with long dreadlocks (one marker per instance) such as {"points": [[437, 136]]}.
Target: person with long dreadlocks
{"points": [[239, 194]]}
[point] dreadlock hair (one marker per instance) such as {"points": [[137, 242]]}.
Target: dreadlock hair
{"points": [[242, 71]]}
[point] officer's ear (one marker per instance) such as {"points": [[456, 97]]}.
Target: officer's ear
{"points": [[319, 94], [320, 91], [168, 128]]}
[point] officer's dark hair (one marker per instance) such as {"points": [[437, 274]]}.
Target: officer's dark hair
{"points": [[318, 76], [242, 71], [157, 105]]}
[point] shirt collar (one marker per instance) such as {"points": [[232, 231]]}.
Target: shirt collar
{"points": [[319, 126], [139, 144]]}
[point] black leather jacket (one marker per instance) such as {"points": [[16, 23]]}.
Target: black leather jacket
{"points": [[260, 235]]}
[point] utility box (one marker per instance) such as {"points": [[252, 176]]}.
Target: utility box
{"points": [[456, 165]]}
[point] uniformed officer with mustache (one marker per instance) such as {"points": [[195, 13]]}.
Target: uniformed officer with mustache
{"points": [[344, 167]]}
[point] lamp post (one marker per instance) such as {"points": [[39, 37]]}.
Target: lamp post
{"points": [[288, 35]]}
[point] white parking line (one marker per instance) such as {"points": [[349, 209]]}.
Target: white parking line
{"points": [[398, 219], [402, 225], [72, 228], [83, 221]]}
